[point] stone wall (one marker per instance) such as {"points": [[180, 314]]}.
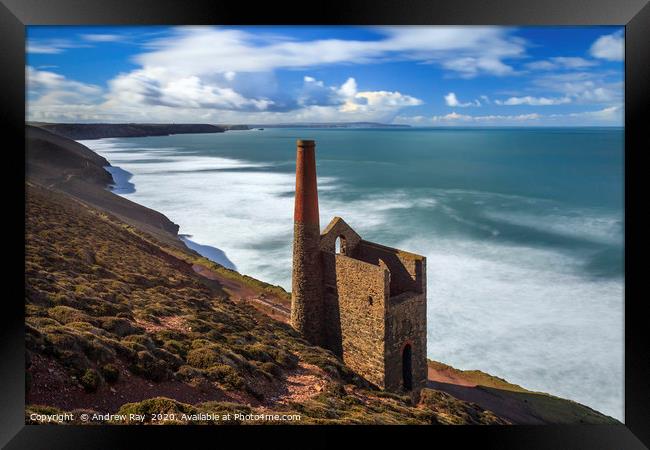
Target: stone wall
{"points": [[406, 323], [336, 228], [362, 296], [406, 269]]}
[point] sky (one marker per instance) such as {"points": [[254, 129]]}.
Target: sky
{"points": [[416, 75]]}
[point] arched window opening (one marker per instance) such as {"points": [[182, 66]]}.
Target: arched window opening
{"points": [[407, 369], [340, 245]]}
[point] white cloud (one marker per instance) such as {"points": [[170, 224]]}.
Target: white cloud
{"points": [[452, 100], [612, 115], [349, 88], [582, 87], [151, 95], [470, 66], [155, 87], [609, 114], [97, 37], [34, 47], [380, 100], [610, 47], [58, 46], [493, 118], [46, 81], [561, 62], [347, 99], [410, 120], [51, 46], [533, 101], [53, 97], [209, 50]]}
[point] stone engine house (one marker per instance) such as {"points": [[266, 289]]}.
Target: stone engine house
{"points": [[363, 301]]}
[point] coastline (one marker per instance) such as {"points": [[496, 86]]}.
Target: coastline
{"points": [[122, 185]]}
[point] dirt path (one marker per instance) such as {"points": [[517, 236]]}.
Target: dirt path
{"points": [[300, 384], [269, 304], [448, 377]]}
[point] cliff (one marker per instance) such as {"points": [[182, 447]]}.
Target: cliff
{"points": [[61, 164], [122, 318], [79, 131]]}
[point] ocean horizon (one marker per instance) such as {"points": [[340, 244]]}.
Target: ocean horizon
{"points": [[522, 229]]}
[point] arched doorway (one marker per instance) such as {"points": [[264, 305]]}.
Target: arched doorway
{"points": [[407, 367]]}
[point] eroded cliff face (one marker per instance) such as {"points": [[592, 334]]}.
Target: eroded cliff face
{"points": [[61, 164]]}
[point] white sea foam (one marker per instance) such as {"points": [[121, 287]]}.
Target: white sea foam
{"points": [[584, 224], [525, 314]]}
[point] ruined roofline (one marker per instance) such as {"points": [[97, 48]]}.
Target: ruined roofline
{"points": [[392, 249], [335, 221], [360, 261]]}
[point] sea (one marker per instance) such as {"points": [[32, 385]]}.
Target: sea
{"points": [[523, 230]]}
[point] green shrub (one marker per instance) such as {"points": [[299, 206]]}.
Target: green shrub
{"points": [[110, 373], [175, 347], [286, 359], [39, 409], [187, 373], [73, 360], [149, 367], [258, 352], [204, 357], [90, 380], [156, 405], [226, 376], [272, 369], [255, 391], [199, 343], [141, 339], [95, 349], [66, 314], [61, 298], [118, 326]]}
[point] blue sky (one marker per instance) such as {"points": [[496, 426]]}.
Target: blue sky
{"points": [[417, 75]]}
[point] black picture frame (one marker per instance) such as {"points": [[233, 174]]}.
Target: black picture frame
{"points": [[633, 14]]}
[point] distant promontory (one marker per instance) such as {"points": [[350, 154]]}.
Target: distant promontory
{"points": [[81, 131], [331, 125], [116, 130]]}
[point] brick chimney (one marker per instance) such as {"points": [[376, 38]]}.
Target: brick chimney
{"points": [[306, 294]]}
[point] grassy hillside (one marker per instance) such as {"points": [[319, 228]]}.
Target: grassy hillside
{"points": [[510, 401], [122, 318]]}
